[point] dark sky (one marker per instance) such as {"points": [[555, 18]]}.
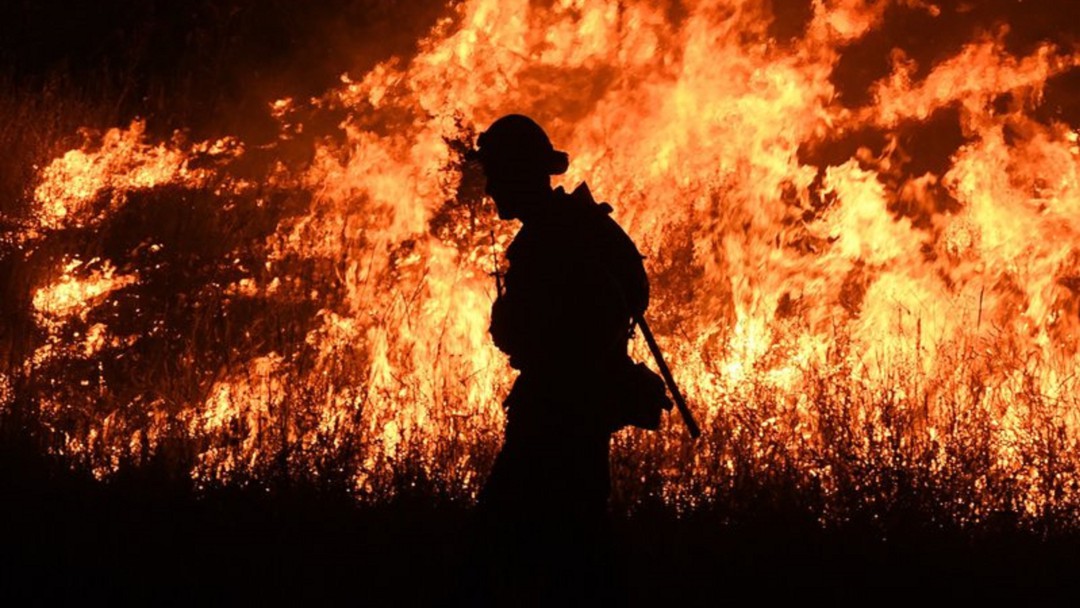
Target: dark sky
{"points": [[213, 54], [195, 58]]}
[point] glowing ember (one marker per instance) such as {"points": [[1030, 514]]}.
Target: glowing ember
{"points": [[843, 307]]}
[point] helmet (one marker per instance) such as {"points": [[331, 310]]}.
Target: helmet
{"points": [[516, 144]]}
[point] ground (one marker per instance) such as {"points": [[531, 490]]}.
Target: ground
{"points": [[154, 541]]}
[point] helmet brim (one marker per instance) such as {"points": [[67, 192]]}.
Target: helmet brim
{"points": [[554, 162]]}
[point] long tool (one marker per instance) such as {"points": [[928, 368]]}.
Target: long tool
{"points": [[495, 265], [680, 403]]}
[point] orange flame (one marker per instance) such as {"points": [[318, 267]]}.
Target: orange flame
{"points": [[837, 318]]}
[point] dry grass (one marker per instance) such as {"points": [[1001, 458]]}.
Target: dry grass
{"points": [[911, 446]]}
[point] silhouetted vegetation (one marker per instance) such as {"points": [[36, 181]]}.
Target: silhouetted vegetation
{"points": [[896, 505]]}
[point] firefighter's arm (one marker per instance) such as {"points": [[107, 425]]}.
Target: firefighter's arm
{"points": [[519, 315]]}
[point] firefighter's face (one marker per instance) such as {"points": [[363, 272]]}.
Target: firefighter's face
{"points": [[515, 194]]}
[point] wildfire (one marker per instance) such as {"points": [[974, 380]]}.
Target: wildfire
{"points": [[840, 309]]}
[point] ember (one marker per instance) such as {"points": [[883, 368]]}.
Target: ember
{"points": [[866, 293]]}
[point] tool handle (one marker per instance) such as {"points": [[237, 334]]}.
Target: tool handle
{"points": [[680, 403]]}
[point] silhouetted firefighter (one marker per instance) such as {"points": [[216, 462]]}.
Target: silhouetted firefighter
{"points": [[565, 312]]}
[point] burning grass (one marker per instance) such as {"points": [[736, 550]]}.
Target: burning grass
{"points": [[871, 304]]}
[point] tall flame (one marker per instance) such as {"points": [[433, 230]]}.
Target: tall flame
{"points": [[841, 310]]}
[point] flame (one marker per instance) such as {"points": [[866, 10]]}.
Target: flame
{"points": [[122, 163], [842, 315], [73, 296]]}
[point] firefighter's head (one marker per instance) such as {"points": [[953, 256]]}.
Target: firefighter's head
{"points": [[518, 161]]}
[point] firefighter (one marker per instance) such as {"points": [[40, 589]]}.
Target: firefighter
{"points": [[574, 282]]}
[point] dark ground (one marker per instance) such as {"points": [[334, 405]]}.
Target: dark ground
{"points": [[142, 539]]}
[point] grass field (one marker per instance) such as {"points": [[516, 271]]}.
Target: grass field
{"points": [[278, 391]]}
